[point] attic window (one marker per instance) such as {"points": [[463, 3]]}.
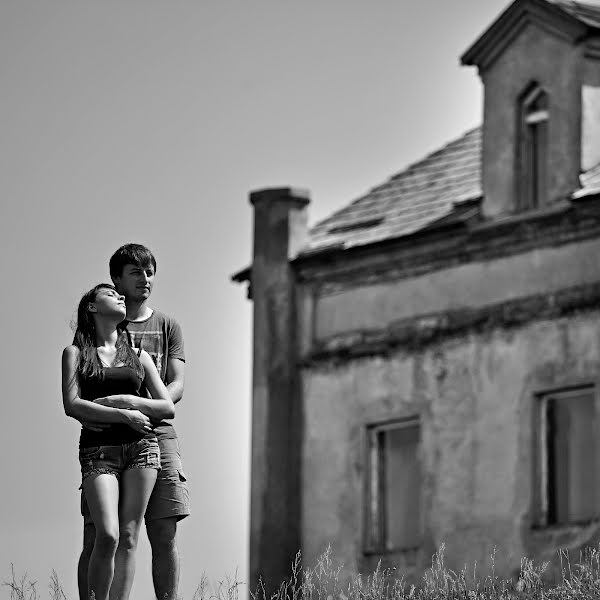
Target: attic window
{"points": [[532, 151]]}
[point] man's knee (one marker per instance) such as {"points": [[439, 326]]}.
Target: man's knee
{"points": [[162, 533], [89, 538]]}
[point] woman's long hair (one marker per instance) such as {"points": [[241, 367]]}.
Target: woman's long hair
{"points": [[89, 364]]}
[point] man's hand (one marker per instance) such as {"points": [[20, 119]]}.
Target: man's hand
{"points": [[117, 401], [95, 426], [138, 421]]}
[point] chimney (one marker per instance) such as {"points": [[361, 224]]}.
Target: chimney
{"points": [[280, 231]]}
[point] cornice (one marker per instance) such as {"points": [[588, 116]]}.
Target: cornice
{"points": [[417, 333], [498, 36], [592, 47], [420, 254]]}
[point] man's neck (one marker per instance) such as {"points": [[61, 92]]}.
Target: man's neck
{"points": [[137, 311]]}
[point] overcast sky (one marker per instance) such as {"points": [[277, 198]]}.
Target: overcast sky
{"points": [[150, 121]]}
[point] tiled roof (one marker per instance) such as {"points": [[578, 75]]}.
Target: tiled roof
{"points": [[424, 192], [432, 191], [590, 183]]}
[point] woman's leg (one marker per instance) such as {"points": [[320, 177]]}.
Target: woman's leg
{"points": [[102, 495], [136, 487]]}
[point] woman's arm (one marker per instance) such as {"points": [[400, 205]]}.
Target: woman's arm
{"points": [[158, 407], [85, 410]]}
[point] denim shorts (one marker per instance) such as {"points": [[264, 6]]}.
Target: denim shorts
{"points": [[170, 497], [113, 460]]}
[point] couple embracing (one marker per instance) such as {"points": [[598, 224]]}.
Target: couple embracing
{"points": [[121, 378]]}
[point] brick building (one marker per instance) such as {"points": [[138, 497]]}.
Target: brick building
{"points": [[427, 359]]}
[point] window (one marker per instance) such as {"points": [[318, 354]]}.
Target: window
{"points": [[393, 489], [566, 489], [532, 148]]}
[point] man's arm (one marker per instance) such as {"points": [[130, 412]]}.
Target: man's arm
{"points": [[175, 378], [175, 375], [158, 407]]}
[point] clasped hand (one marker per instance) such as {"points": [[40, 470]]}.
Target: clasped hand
{"points": [[117, 401], [135, 419]]}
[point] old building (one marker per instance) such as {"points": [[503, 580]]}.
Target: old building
{"points": [[427, 359]]}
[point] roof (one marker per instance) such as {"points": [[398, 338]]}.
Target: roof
{"points": [[409, 201], [434, 191], [590, 183], [576, 20], [441, 188], [588, 14]]}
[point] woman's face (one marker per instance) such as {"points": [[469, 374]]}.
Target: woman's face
{"points": [[108, 302]]}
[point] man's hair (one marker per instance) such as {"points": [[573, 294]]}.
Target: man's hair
{"points": [[130, 254]]}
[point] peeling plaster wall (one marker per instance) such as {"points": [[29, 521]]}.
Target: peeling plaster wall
{"points": [[474, 395], [379, 305]]}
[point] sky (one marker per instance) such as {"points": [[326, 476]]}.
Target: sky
{"points": [[150, 121]]}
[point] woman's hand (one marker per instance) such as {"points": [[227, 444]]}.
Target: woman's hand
{"points": [[118, 401], [138, 421]]}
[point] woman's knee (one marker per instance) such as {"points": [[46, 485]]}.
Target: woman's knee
{"points": [[107, 540], [128, 536]]}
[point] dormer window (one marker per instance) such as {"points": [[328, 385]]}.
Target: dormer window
{"points": [[532, 154]]}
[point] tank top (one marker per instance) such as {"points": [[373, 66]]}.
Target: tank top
{"points": [[115, 380]]}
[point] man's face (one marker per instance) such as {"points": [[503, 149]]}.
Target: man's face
{"points": [[135, 282]]}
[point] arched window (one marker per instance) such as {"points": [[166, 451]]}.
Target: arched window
{"points": [[532, 151]]}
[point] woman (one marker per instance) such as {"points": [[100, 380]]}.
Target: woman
{"points": [[101, 380]]}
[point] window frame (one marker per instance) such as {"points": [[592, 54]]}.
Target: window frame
{"points": [[532, 148], [374, 529], [540, 507]]}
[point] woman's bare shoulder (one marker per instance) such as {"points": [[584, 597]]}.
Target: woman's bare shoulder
{"points": [[71, 352]]}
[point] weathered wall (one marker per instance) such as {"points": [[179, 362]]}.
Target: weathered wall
{"points": [[555, 63], [379, 305], [474, 395]]}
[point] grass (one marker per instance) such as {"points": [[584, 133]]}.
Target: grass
{"points": [[325, 581], [23, 588]]}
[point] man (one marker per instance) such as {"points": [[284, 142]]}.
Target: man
{"points": [[132, 269]]}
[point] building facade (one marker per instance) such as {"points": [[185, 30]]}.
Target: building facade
{"points": [[427, 359]]}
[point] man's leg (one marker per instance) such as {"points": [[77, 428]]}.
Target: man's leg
{"points": [[89, 537], [169, 503], [162, 534]]}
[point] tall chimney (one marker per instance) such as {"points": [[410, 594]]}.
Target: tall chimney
{"points": [[280, 231]]}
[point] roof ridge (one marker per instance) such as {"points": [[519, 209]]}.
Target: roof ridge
{"points": [[576, 3], [591, 172], [585, 12]]}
